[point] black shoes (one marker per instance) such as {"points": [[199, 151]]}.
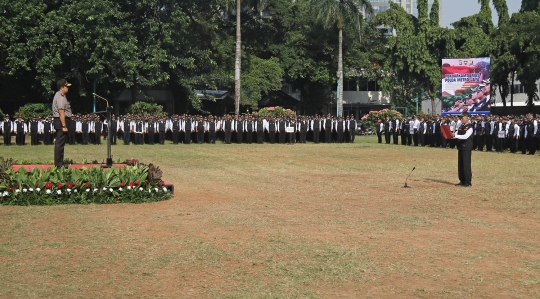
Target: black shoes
{"points": [[461, 184]]}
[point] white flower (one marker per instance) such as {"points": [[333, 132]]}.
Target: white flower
{"points": [[140, 189], [95, 189], [6, 193], [48, 191], [38, 189], [68, 190], [59, 191], [111, 190], [129, 187], [17, 190], [30, 189], [24, 190], [149, 190], [104, 188], [156, 189], [164, 189], [88, 190], [120, 189], [75, 191]]}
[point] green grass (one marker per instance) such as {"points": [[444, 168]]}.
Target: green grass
{"points": [[281, 221]]}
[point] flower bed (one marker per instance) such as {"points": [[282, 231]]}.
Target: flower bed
{"points": [[133, 183]]}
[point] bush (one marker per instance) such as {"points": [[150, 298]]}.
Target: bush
{"points": [[146, 109], [38, 109], [373, 117], [131, 184], [275, 111]]}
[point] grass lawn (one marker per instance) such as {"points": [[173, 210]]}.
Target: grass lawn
{"points": [[282, 221]]}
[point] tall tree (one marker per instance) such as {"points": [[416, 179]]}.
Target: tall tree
{"points": [[336, 13]]}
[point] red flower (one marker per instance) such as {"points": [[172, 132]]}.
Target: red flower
{"points": [[78, 184], [10, 188], [117, 198], [36, 185], [131, 184], [136, 183], [87, 185], [122, 184], [48, 185], [160, 183], [59, 185], [69, 185], [16, 186]]}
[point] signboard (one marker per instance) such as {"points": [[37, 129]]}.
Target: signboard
{"points": [[466, 85]]}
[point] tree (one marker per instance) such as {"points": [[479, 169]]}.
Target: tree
{"points": [[336, 13]]}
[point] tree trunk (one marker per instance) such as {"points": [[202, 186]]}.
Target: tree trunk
{"points": [[340, 75], [237, 61]]}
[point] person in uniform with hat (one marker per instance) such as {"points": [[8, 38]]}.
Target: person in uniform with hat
{"points": [[464, 137], [7, 127], [62, 116]]}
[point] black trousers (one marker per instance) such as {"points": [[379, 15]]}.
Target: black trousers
{"points": [[127, 136], [239, 136], [272, 137], [212, 137], [187, 137], [282, 136], [85, 138], [228, 134], [200, 137], [464, 166], [34, 138], [317, 135], [327, 135], [303, 134], [379, 136], [59, 145], [531, 144], [396, 133], [175, 136], [151, 136], [249, 137], [161, 137], [260, 137], [489, 143], [352, 136], [7, 137]]}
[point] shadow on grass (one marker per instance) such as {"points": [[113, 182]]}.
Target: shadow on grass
{"points": [[440, 182]]}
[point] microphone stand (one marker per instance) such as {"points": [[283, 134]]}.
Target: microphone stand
{"points": [[109, 129], [405, 186]]}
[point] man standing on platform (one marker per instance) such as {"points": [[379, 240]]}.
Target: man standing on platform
{"points": [[62, 116]]}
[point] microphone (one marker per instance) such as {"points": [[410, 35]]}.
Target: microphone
{"points": [[101, 98], [405, 186]]}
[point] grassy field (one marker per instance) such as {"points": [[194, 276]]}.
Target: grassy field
{"points": [[282, 221]]}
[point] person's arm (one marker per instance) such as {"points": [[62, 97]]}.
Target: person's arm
{"points": [[62, 117], [464, 136]]}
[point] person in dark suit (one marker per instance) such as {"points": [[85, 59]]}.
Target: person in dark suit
{"points": [[464, 136], [7, 129]]}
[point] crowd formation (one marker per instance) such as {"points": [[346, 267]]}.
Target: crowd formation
{"points": [[491, 133], [187, 129]]}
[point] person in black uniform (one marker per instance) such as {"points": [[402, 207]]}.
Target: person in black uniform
{"points": [[20, 128], [7, 129], [227, 127], [72, 128], [98, 129], [303, 129], [211, 127], [387, 130], [272, 130], [113, 126], [200, 129], [175, 130], [464, 136], [249, 129], [260, 130], [281, 130], [47, 128], [340, 129], [316, 129], [151, 130], [127, 128], [328, 126], [85, 128], [162, 126], [187, 130], [33, 124]]}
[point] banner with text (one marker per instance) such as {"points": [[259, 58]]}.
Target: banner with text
{"points": [[466, 85]]}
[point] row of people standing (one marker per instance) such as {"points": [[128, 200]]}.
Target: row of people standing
{"points": [[40, 130], [234, 129], [491, 133]]}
